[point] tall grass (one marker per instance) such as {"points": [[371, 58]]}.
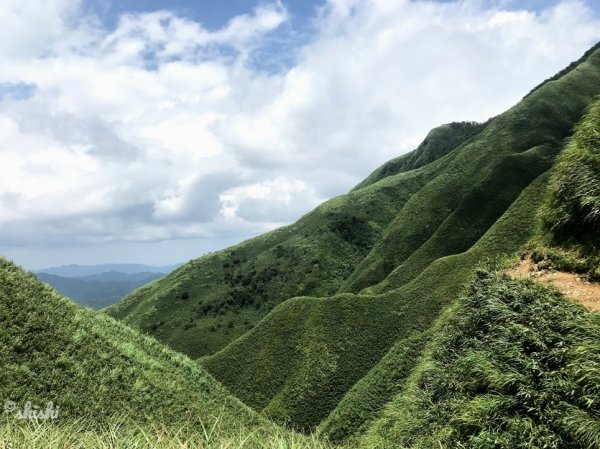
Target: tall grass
{"points": [[519, 367], [573, 206], [122, 434]]}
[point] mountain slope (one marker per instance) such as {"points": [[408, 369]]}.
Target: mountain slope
{"points": [[438, 142], [207, 303], [515, 366], [374, 269], [103, 375], [414, 269], [54, 350]]}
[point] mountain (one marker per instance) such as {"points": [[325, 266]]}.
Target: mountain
{"points": [[111, 386], [98, 290], [325, 323], [78, 271], [512, 363], [116, 276]]}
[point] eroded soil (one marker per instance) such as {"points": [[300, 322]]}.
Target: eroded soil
{"points": [[574, 286]]}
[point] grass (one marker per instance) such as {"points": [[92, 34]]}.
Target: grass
{"points": [[573, 205], [569, 235], [124, 435], [517, 366], [114, 387], [309, 352], [335, 322], [438, 142], [454, 209], [211, 301]]}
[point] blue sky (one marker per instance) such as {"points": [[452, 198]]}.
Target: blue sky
{"points": [[154, 137], [213, 14]]}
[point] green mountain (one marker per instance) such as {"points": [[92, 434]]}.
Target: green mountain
{"points": [[382, 319], [322, 323], [100, 373]]}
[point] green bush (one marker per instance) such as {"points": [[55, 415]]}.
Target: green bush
{"points": [[573, 205], [517, 367]]}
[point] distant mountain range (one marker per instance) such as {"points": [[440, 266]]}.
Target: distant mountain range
{"points": [[78, 271], [99, 286]]}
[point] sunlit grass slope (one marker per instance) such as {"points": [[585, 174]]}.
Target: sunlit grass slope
{"points": [[309, 352], [107, 380], [517, 366], [212, 300], [453, 210], [323, 323]]}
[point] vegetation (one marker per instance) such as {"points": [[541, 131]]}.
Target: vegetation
{"points": [[573, 206], [357, 323], [124, 435], [569, 238], [338, 309], [112, 385], [439, 142], [309, 352], [242, 284], [517, 367]]}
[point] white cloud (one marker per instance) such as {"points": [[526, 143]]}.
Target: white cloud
{"points": [[161, 129]]}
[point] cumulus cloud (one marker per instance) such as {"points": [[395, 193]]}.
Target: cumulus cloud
{"points": [[160, 129]]}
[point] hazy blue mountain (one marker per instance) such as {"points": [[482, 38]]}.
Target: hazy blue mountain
{"points": [[78, 271], [98, 291], [116, 276]]}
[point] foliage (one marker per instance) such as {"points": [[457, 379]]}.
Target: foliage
{"points": [[244, 283], [517, 367], [573, 205], [124, 435], [114, 386], [327, 323], [309, 352]]}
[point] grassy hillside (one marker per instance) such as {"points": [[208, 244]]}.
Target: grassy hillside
{"points": [[209, 302], [573, 207], [309, 352], [316, 349], [357, 240], [96, 292], [103, 375], [323, 323], [517, 366], [439, 142]]}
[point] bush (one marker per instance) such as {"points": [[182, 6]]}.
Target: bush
{"points": [[573, 205]]}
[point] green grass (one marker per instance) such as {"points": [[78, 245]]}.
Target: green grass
{"points": [[124, 435], [517, 366], [211, 301], [332, 323], [573, 205], [454, 209], [113, 386], [569, 235], [309, 352]]}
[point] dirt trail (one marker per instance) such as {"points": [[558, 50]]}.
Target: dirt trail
{"points": [[575, 287]]}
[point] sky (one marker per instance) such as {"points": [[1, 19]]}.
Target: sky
{"points": [[156, 131]]}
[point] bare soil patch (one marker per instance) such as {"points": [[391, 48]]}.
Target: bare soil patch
{"points": [[575, 287]]}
